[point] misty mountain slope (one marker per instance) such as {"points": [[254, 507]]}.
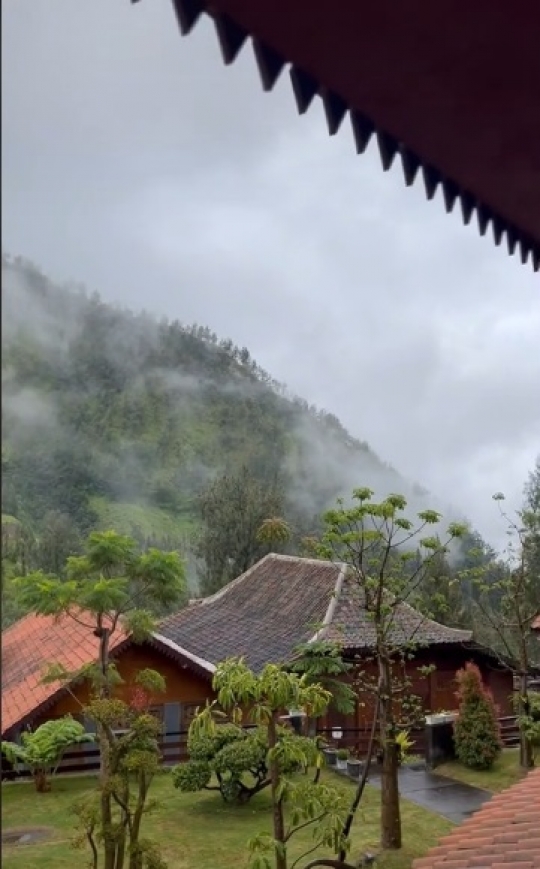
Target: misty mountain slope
{"points": [[118, 420]]}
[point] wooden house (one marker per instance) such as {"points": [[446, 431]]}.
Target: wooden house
{"points": [[263, 615]]}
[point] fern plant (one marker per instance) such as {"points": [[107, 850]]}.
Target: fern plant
{"points": [[42, 750]]}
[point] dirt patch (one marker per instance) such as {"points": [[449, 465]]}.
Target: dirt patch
{"points": [[25, 835]]}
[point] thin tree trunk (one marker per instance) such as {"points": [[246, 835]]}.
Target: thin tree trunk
{"points": [[277, 804], [363, 781], [135, 858], [526, 758], [109, 842], [41, 782], [121, 840], [390, 808]]}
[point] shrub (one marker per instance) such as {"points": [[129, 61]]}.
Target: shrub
{"points": [[42, 750], [529, 722], [233, 760], [404, 743], [477, 736]]}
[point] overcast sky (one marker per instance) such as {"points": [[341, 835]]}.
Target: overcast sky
{"points": [[135, 162]]}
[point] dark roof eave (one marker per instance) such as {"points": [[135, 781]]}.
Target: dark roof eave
{"points": [[270, 63]]}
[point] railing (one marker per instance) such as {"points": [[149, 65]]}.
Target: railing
{"points": [[356, 739], [173, 748], [509, 731]]}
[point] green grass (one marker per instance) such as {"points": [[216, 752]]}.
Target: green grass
{"points": [[152, 521], [195, 829], [9, 520], [504, 773]]}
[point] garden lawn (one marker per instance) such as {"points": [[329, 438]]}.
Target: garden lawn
{"points": [[195, 830], [504, 773]]}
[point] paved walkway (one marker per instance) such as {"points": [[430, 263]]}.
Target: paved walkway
{"points": [[453, 800]]}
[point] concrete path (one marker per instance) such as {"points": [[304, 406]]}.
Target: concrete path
{"points": [[444, 796]]}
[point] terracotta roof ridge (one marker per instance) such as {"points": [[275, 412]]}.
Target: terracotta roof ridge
{"points": [[331, 609]]}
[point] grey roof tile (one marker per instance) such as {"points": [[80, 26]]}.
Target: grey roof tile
{"points": [[280, 602]]}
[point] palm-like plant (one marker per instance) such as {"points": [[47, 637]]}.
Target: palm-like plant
{"points": [[42, 750]]}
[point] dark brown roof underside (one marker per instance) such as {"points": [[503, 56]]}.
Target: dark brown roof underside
{"points": [[451, 87]]}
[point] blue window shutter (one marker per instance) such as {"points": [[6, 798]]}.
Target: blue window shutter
{"points": [[171, 721], [171, 731]]}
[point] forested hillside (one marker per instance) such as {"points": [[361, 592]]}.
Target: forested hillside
{"points": [[159, 430]]}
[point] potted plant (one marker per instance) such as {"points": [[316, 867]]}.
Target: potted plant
{"points": [[354, 767], [404, 744], [330, 755], [342, 757]]}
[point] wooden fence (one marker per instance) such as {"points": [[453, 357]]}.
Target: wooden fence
{"points": [[509, 731], [85, 758], [173, 747]]}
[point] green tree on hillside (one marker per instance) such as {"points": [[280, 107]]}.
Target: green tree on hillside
{"points": [[233, 509]]}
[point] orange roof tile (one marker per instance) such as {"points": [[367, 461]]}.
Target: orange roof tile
{"points": [[28, 647], [504, 833]]}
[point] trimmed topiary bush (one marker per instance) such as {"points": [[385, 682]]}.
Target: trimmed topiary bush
{"points": [[477, 737], [234, 760]]}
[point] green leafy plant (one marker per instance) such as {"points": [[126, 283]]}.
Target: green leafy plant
{"points": [[42, 750], [506, 599], [321, 662], [477, 737], [376, 541], [235, 758], [342, 753], [404, 744], [529, 721], [310, 803], [129, 734], [113, 587]]}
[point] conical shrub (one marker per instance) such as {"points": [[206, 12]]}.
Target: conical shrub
{"points": [[477, 736]]}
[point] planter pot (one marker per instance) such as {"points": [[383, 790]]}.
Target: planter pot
{"points": [[415, 765], [354, 767], [441, 718], [341, 763], [330, 756]]}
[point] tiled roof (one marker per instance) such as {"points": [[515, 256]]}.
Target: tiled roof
{"points": [[28, 647], [504, 833], [277, 604], [353, 629], [262, 615]]}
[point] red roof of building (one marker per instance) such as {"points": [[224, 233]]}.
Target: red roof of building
{"points": [[451, 88], [504, 833], [28, 647]]}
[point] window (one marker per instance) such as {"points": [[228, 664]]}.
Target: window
{"points": [[189, 711]]}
